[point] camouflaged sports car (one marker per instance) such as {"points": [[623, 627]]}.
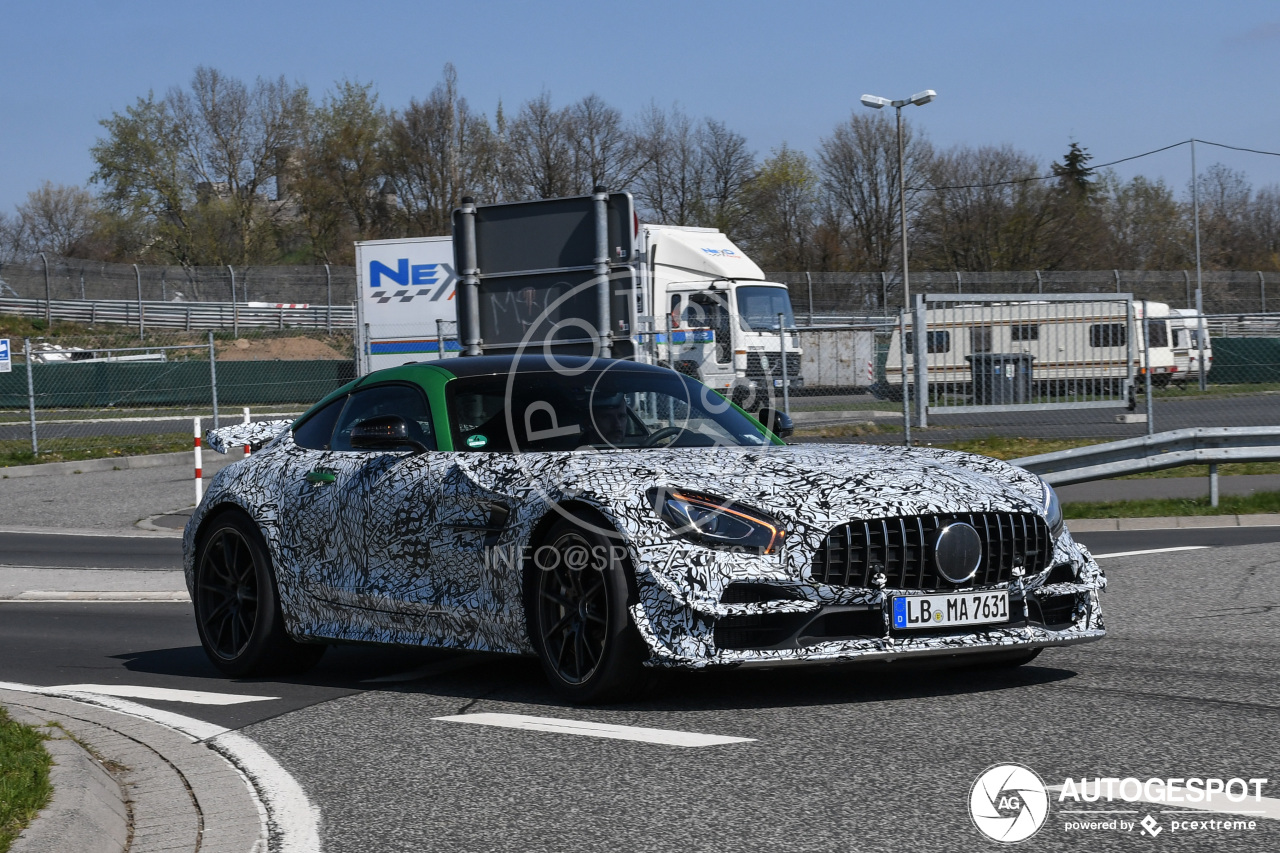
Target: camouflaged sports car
{"points": [[608, 516]]}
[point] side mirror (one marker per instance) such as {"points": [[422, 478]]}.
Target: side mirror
{"points": [[779, 423], [384, 432]]}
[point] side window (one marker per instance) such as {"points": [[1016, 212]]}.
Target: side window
{"points": [[933, 342], [1024, 333], [404, 400], [316, 431], [980, 339], [1107, 335], [1158, 333]]}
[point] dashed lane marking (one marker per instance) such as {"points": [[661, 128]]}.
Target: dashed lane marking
{"points": [[587, 729], [1150, 551]]}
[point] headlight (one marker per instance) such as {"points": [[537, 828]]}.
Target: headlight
{"points": [[714, 521], [1052, 511]]}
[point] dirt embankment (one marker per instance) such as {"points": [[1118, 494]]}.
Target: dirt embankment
{"points": [[282, 349]]}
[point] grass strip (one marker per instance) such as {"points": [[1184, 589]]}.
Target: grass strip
{"points": [[24, 778], [18, 451], [1254, 504]]}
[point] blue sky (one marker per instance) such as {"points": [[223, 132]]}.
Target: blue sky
{"points": [[1118, 77]]}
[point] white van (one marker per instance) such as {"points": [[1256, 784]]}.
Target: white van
{"points": [[1187, 345]]}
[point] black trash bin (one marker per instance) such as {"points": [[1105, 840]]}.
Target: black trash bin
{"points": [[1001, 378]]}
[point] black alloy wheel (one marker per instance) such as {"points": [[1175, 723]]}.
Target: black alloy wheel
{"points": [[228, 593], [576, 609], [237, 607]]}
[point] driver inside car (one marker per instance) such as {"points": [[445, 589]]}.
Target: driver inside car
{"points": [[608, 421]]}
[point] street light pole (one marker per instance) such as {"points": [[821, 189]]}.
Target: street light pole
{"points": [[921, 393]]}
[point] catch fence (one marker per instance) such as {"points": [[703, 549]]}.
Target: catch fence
{"points": [[107, 394]]}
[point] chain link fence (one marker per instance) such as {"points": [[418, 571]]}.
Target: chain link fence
{"points": [[108, 394]]}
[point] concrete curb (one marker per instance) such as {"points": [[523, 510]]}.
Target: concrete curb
{"points": [[172, 793], [87, 810], [1095, 525], [212, 463]]}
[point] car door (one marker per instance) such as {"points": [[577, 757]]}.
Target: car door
{"points": [[386, 507], [310, 542]]}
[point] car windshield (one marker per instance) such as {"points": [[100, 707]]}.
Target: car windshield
{"points": [[614, 408], [759, 307]]}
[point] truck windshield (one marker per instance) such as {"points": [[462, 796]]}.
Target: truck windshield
{"points": [[759, 307]]}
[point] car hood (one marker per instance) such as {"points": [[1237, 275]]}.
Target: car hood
{"points": [[810, 484]]}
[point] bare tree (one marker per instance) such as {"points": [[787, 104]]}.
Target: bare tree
{"points": [[728, 167], [859, 167], [1146, 227], [539, 155], [438, 151], [670, 188], [605, 151], [56, 219]]}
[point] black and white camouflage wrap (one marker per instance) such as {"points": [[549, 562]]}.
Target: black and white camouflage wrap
{"points": [[400, 549]]}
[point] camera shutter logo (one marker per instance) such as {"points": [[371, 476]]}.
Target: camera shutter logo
{"points": [[1008, 803]]}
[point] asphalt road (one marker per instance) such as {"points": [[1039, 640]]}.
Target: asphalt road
{"points": [[839, 758]]}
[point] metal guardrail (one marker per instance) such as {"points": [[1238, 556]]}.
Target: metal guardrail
{"points": [[1197, 446], [186, 315]]}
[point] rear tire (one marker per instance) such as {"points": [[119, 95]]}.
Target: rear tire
{"points": [[237, 607], [576, 593]]}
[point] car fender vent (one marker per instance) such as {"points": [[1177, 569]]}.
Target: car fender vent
{"points": [[756, 593]]}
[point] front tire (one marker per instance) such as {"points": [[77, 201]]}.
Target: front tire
{"points": [[576, 612], [237, 608]]}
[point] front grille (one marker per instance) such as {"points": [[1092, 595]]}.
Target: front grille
{"points": [[756, 364], [902, 548]]}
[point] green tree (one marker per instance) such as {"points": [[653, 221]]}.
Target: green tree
{"points": [[782, 197]]}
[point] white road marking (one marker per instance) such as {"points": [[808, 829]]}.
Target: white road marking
{"points": [[162, 694], [281, 799], [43, 595], [604, 730], [1267, 807], [1150, 551]]}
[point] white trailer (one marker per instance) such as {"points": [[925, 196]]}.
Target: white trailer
{"points": [[405, 303], [1091, 345], [1191, 347]]}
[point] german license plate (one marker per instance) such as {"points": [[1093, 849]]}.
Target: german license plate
{"points": [[947, 610]]}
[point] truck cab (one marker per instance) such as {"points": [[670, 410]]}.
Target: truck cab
{"points": [[715, 315]]}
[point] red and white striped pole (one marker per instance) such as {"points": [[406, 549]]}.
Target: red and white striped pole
{"points": [[199, 472], [247, 421]]}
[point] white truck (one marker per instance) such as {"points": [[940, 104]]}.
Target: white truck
{"points": [[585, 275]]}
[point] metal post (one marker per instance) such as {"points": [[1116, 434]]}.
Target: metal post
{"points": [[902, 207], [1262, 291], [1202, 338], [164, 290], [235, 309], [884, 292], [919, 339], [902, 356], [1186, 278], [1195, 207], [213, 379], [1039, 283], [439, 339], [809, 278], [82, 285], [1117, 275], [1146, 358], [469, 311], [48, 315], [600, 202], [959, 283], [137, 275], [671, 356], [1213, 484], [782, 348], [195, 429], [328, 301], [31, 396]]}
